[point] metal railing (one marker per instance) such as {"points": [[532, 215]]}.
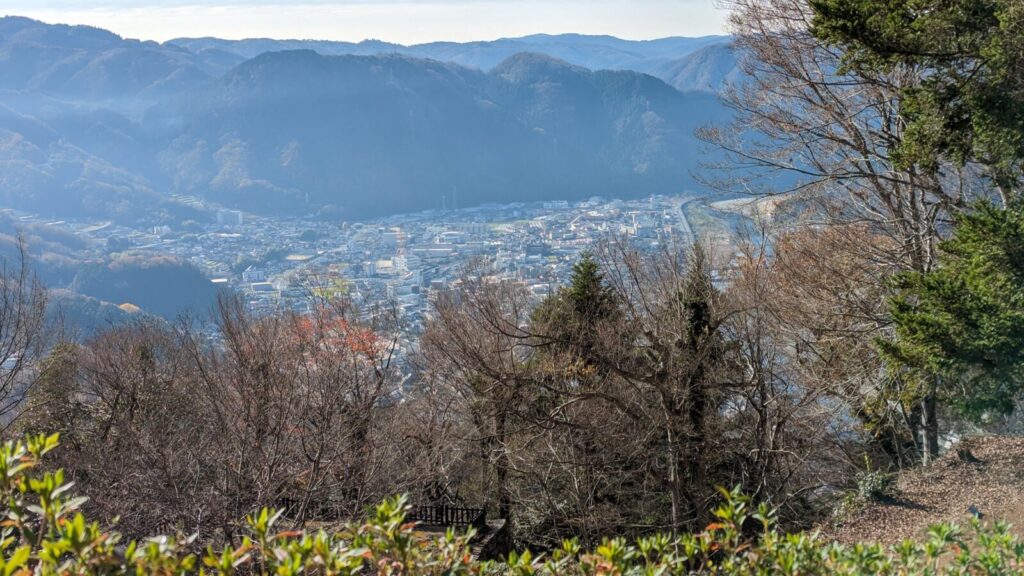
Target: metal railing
{"points": [[444, 515]]}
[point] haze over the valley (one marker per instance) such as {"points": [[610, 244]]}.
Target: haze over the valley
{"points": [[158, 138], [98, 124]]}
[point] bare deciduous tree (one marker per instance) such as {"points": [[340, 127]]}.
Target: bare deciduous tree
{"points": [[823, 136], [175, 430], [24, 332]]}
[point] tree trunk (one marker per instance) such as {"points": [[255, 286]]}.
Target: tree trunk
{"points": [[931, 429], [502, 466], [915, 422], [698, 433], [674, 482]]}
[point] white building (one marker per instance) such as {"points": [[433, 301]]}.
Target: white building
{"points": [[230, 217]]}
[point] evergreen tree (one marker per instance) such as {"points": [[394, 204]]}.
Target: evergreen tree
{"points": [[52, 402], [570, 318], [960, 328], [590, 298], [955, 66], [962, 102]]}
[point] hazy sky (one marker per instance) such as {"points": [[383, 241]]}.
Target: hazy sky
{"points": [[405, 21]]}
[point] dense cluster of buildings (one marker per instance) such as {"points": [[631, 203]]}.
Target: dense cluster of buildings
{"points": [[281, 262]]}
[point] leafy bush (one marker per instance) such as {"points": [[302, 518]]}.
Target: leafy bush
{"points": [[44, 533], [875, 485]]}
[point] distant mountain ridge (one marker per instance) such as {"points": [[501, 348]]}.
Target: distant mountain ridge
{"points": [[93, 65], [705, 64], [297, 129], [91, 123], [594, 52], [709, 68]]}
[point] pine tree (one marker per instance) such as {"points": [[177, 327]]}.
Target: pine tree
{"points": [[570, 319], [591, 299]]}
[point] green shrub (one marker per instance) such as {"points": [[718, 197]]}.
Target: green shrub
{"points": [[875, 485], [870, 485], [44, 533]]}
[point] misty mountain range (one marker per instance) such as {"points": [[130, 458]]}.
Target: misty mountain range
{"points": [[94, 124], [655, 57]]}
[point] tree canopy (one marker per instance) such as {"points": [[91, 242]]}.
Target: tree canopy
{"points": [[966, 57], [964, 321]]}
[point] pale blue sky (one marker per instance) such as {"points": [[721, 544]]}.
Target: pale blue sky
{"points": [[405, 21]]}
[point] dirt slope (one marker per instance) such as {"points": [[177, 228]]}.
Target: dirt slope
{"points": [[943, 492]]}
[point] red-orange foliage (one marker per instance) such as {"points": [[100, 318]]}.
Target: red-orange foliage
{"points": [[334, 333]]}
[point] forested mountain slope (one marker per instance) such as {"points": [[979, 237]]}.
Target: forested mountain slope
{"points": [[296, 129], [91, 123]]}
